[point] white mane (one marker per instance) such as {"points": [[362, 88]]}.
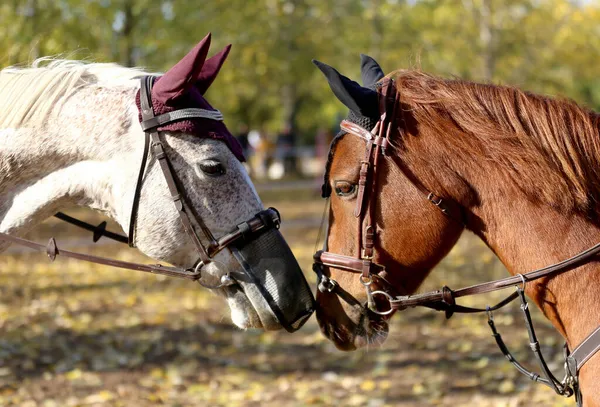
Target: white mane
{"points": [[28, 94]]}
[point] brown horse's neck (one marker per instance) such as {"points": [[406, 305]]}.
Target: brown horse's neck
{"points": [[527, 236], [525, 169]]}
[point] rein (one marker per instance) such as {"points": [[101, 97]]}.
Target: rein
{"points": [[243, 232], [444, 299]]}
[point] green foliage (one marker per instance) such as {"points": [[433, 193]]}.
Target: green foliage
{"points": [[547, 46]]}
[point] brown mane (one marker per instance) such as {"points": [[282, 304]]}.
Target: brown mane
{"points": [[548, 148]]}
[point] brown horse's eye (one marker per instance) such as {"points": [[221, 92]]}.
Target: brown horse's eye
{"points": [[212, 168], [345, 188]]}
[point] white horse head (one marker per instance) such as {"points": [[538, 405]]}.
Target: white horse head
{"points": [[70, 136]]}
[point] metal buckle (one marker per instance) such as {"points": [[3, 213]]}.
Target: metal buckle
{"points": [[327, 285], [158, 150], [434, 199], [522, 280], [388, 297], [366, 282]]}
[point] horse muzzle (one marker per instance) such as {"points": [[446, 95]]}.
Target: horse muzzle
{"points": [[273, 281]]}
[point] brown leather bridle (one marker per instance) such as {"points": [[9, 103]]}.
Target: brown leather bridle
{"points": [[260, 223], [362, 263], [377, 144]]}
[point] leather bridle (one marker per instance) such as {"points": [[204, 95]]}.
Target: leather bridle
{"points": [[258, 224], [377, 145]]}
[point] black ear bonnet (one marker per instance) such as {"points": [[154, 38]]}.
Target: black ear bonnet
{"points": [[362, 102]]}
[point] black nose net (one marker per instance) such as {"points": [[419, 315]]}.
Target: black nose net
{"points": [[276, 276]]}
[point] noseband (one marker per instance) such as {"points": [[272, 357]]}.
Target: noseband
{"points": [[378, 142], [259, 223]]}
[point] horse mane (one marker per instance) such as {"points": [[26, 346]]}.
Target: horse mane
{"points": [[29, 94], [549, 148]]}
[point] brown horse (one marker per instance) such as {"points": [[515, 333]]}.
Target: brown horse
{"points": [[521, 171]]}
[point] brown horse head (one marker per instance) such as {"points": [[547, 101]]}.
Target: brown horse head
{"points": [[515, 168], [411, 237]]}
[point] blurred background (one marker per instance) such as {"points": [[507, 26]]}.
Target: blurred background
{"points": [[74, 334]]}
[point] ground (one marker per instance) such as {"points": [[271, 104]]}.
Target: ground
{"points": [[78, 334]]}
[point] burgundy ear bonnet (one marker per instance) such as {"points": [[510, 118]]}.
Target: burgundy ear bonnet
{"points": [[183, 86]]}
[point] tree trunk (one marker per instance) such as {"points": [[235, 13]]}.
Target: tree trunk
{"points": [[487, 38], [377, 33], [290, 103], [127, 56]]}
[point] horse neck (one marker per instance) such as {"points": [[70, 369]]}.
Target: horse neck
{"points": [[528, 236], [525, 235], [82, 155]]}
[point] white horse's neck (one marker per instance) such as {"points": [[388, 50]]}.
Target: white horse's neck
{"points": [[84, 154]]}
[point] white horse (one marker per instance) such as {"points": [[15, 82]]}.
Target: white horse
{"points": [[70, 136]]}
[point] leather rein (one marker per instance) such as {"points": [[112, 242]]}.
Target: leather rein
{"points": [[262, 221], [377, 144]]}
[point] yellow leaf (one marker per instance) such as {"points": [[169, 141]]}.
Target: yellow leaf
{"points": [[99, 397], [507, 386], [368, 385], [74, 374], [385, 384], [418, 388]]}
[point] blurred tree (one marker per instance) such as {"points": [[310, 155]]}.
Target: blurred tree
{"points": [[548, 46]]}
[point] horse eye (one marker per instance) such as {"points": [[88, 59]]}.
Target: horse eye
{"points": [[212, 168], [345, 188]]}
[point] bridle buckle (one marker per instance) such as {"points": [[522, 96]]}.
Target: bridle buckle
{"points": [[327, 284], [366, 281], [434, 199]]}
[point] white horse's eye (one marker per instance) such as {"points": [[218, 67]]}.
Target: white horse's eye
{"points": [[212, 168]]}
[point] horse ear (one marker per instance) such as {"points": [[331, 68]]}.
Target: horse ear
{"points": [[363, 101], [211, 69], [370, 71], [180, 79]]}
